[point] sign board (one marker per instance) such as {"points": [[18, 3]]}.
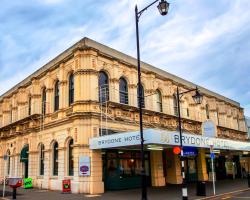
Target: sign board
{"points": [[27, 183], [66, 186], [164, 137], [212, 156], [209, 128], [84, 166], [190, 151]]}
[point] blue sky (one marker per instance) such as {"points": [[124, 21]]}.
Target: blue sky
{"points": [[204, 41]]}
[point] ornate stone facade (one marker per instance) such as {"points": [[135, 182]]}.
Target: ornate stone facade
{"points": [[22, 122]]}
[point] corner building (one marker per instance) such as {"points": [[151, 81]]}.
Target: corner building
{"points": [[84, 104]]}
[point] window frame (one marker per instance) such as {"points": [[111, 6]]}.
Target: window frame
{"points": [[71, 88], [56, 96], [123, 94]]}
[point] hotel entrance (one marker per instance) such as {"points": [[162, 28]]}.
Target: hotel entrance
{"points": [[122, 169]]}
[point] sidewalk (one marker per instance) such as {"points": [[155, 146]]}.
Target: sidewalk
{"points": [[172, 192]]}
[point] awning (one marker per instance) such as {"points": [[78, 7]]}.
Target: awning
{"points": [[24, 154], [165, 138]]}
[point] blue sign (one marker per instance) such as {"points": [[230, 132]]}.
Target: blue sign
{"points": [[212, 155], [190, 151]]}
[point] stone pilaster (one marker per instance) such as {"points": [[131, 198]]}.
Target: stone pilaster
{"points": [[157, 175]]}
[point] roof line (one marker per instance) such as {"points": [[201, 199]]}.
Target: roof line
{"points": [[119, 55]]}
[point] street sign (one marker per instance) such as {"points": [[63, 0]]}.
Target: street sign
{"points": [[212, 155]]}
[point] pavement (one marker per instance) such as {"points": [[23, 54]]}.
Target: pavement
{"points": [[171, 192]]}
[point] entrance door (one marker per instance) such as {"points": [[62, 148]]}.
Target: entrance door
{"points": [[24, 158], [191, 169]]}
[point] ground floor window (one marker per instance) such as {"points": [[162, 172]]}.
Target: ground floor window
{"points": [[122, 169]]}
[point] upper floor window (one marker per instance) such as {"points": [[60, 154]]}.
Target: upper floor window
{"points": [[142, 96], [123, 90], [70, 158], [55, 159], [29, 110], [103, 87], [11, 114], [158, 101], [41, 157], [44, 101], [218, 118], [175, 105], [238, 122], [71, 89], [207, 111], [8, 162], [56, 100]]}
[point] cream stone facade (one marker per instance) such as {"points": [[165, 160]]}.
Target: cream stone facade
{"points": [[23, 123]]}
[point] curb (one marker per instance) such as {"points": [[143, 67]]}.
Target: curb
{"points": [[227, 193]]}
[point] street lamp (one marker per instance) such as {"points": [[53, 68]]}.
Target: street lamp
{"points": [[163, 9], [198, 100]]}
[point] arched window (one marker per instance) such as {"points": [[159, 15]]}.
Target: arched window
{"points": [[70, 158], [238, 122], [11, 114], [103, 87], [8, 162], [158, 101], [41, 158], [29, 111], [175, 105], [55, 159], [71, 89], [218, 118], [207, 111], [142, 96], [123, 89], [56, 100], [44, 101]]}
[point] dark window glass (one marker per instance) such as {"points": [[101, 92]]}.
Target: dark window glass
{"points": [[159, 101], [8, 162], [123, 88], [71, 158], [55, 159], [207, 111], [103, 87], [11, 114], [175, 105], [44, 101], [56, 103], [142, 97], [29, 105], [71, 89], [41, 159]]}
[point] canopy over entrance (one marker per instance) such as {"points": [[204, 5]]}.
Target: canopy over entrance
{"points": [[24, 156], [163, 138]]}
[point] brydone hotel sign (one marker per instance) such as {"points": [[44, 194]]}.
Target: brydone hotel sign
{"points": [[163, 137]]}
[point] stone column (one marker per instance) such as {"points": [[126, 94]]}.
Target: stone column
{"points": [[157, 174], [201, 165], [173, 168]]}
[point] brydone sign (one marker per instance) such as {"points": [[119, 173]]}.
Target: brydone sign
{"points": [[163, 137]]}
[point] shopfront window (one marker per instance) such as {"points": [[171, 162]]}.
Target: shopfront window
{"points": [[123, 169]]}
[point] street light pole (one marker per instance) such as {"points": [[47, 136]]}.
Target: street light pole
{"points": [[143, 172], [198, 99], [163, 9]]}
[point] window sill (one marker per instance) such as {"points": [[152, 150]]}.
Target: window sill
{"points": [[53, 178], [40, 176], [69, 177]]}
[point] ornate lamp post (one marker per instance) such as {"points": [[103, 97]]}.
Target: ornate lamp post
{"points": [[198, 100], [163, 9]]}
